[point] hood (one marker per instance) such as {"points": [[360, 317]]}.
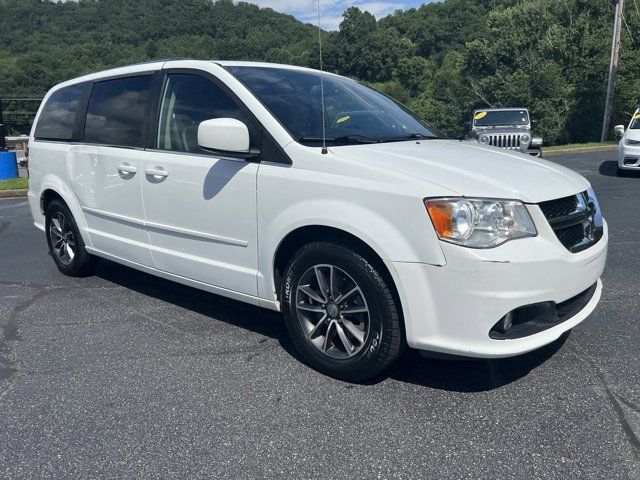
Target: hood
{"points": [[502, 129], [471, 169], [633, 134]]}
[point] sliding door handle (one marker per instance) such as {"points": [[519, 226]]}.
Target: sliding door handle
{"points": [[156, 172], [126, 169]]}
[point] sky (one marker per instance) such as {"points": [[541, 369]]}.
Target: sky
{"points": [[331, 10]]}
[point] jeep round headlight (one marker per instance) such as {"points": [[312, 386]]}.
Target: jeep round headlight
{"points": [[484, 139], [479, 222], [525, 138]]}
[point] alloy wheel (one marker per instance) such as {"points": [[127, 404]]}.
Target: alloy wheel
{"points": [[62, 240], [332, 311]]}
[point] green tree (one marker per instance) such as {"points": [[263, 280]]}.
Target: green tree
{"points": [[443, 59]]}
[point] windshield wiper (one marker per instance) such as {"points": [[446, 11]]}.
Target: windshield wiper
{"points": [[417, 136], [361, 139], [413, 136], [345, 139]]}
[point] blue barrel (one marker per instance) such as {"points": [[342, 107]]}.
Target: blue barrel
{"points": [[8, 165]]}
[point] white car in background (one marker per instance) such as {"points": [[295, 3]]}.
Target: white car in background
{"points": [[629, 147]]}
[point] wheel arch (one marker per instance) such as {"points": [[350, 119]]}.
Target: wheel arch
{"points": [[47, 196], [54, 188], [301, 236]]}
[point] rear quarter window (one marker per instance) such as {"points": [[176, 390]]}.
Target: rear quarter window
{"points": [[117, 112], [59, 117]]}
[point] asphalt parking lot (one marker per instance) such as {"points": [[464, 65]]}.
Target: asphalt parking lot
{"points": [[124, 375]]}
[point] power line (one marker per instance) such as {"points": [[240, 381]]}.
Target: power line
{"points": [[628, 29]]}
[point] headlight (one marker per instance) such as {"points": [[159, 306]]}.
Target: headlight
{"points": [[536, 141], [478, 222], [525, 138], [483, 139], [628, 141]]}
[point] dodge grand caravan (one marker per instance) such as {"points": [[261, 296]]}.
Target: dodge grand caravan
{"points": [[214, 175]]}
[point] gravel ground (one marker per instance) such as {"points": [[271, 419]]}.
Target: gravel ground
{"points": [[124, 375]]}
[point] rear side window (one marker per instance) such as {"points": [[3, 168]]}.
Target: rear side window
{"points": [[58, 119], [187, 101], [117, 112]]}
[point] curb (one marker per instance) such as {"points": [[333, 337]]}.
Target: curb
{"points": [[13, 193], [603, 148]]}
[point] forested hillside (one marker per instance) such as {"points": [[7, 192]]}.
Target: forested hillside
{"points": [[442, 59]]}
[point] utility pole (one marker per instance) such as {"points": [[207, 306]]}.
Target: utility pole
{"points": [[613, 69]]}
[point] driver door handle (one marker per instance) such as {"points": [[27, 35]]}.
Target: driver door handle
{"points": [[156, 172]]}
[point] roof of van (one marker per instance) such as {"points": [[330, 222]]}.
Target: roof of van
{"points": [[234, 63], [223, 63], [158, 64]]}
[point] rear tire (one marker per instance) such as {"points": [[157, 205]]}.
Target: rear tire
{"points": [[66, 246], [340, 313]]}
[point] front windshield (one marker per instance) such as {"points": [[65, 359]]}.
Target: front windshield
{"points": [[354, 113], [496, 118], [635, 121]]}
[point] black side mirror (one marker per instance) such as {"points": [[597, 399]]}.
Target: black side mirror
{"points": [[534, 122]]}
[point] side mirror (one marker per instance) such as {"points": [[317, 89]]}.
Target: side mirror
{"points": [[619, 130], [534, 122], [225, 135]]}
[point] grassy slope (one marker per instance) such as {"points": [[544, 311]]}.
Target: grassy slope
{"points": [[579, 145], [14, 184]]}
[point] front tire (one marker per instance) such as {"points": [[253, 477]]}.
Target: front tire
{"points": [[340, 313], [620, 172], [66, 246]]}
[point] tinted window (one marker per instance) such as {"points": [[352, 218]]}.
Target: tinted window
{"points": [[353, 112], [117, 110], [58, 118], [187, 101]]}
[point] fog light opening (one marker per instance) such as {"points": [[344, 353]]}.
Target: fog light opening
{"points": [[505, 323]]}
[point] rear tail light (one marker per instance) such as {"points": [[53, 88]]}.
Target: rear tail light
{"points": [[26, 156]]}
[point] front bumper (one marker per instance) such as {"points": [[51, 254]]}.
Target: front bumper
{"points": [[629, 157], [534, 152], [451, 309]]}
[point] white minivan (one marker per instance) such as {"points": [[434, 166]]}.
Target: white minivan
{"points": [[214, 175]]}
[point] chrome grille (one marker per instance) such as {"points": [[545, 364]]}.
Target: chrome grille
{"points": [[505, 140], [560, 207], [576, 220]]}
